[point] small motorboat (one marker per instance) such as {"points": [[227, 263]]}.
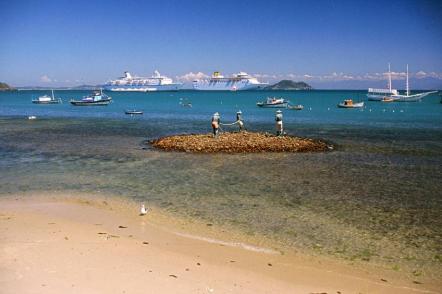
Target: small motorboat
{"points": [[98, 98], [45, 99], [387, 99], [134, 112], [295, 107], [348, 103], [273, 102]]}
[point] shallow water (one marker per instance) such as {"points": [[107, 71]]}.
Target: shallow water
{"points": [[375, 198]]}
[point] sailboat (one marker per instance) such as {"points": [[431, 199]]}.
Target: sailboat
{"points": [[410, 98], [45, 99], [379, 94]]}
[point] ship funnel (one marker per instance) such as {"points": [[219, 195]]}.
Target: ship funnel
{"points": [[127, 75], [156, 74]]}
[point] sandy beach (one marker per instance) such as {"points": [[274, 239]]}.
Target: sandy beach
{"points": [[62, 244]]}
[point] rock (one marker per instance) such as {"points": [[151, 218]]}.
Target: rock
{"points": [[239, 142]]}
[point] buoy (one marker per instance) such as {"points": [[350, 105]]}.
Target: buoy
{"points": [[143, 210]]}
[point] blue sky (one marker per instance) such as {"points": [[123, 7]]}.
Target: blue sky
{"points": [[327, 43]]}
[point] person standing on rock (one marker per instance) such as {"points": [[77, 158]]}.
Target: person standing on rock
{"points": [[278, 120], [216, 120], [239, 121]]}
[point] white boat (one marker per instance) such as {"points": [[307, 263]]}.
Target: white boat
{"points": [[379, 94], [410, 98], [45, 99], [348, 103], [273, 102], [130, 83], [240, 81], [133, 112]]}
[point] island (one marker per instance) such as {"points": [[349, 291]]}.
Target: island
{"points": [[6, 87], [289, 85], [239, 142]]}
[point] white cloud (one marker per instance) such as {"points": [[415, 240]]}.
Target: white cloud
{"points": [[45, 79], [190, 77]]}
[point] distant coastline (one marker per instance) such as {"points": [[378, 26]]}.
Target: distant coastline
{"points": [[6, 87]]}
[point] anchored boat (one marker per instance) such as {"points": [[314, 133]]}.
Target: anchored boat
{"points": [[273, 102], [348, 103], [133, 112], [98, 98], [296, 107], [380, 94], [45, 99], [410, 98]]}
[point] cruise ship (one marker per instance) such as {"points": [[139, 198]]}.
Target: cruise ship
{"points": [[156, 82], [240, 81]]}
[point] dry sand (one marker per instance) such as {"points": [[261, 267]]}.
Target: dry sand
{"points": [[50, 245]]}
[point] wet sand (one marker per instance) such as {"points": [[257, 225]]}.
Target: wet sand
{"points": [[61, 244]]}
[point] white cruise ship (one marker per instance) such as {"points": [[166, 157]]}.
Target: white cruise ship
{"points": [[157, 82], [240, 81]]}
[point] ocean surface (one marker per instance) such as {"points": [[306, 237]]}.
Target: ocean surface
{"points": [[375, 198]]}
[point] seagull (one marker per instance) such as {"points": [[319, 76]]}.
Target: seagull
{"points": [[143, 210]]}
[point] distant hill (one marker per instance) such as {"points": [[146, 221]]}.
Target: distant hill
{"points": [[289, 85], [5, 87]]}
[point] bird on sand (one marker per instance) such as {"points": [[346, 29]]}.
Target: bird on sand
{"points": [[143, 210]]}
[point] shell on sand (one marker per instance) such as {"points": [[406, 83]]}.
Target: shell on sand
{"points": [[239, 142]]}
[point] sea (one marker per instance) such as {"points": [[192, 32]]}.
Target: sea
{"points": [[376, 198]]}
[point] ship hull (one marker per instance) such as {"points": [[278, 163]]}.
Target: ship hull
{"points": [[227, 86], [147, 88]]}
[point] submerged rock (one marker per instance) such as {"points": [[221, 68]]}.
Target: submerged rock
{"points": [[239, 142]]}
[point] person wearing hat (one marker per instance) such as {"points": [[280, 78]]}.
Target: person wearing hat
{"points": [[278, 120], [239, 120], [216, 120]]}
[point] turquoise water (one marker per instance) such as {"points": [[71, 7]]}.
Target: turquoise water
{"points": [[320, 107], [376, 198]]}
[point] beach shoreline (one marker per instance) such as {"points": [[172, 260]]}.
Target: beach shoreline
{"points": [[63, 243]]}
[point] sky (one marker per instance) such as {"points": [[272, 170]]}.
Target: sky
{"points": [[329, 44]]}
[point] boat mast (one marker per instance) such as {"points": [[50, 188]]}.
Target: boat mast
{"points": [[389, 77], [407, 85]]}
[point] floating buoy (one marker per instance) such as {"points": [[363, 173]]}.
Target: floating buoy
{"points": [[143, 209]]}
